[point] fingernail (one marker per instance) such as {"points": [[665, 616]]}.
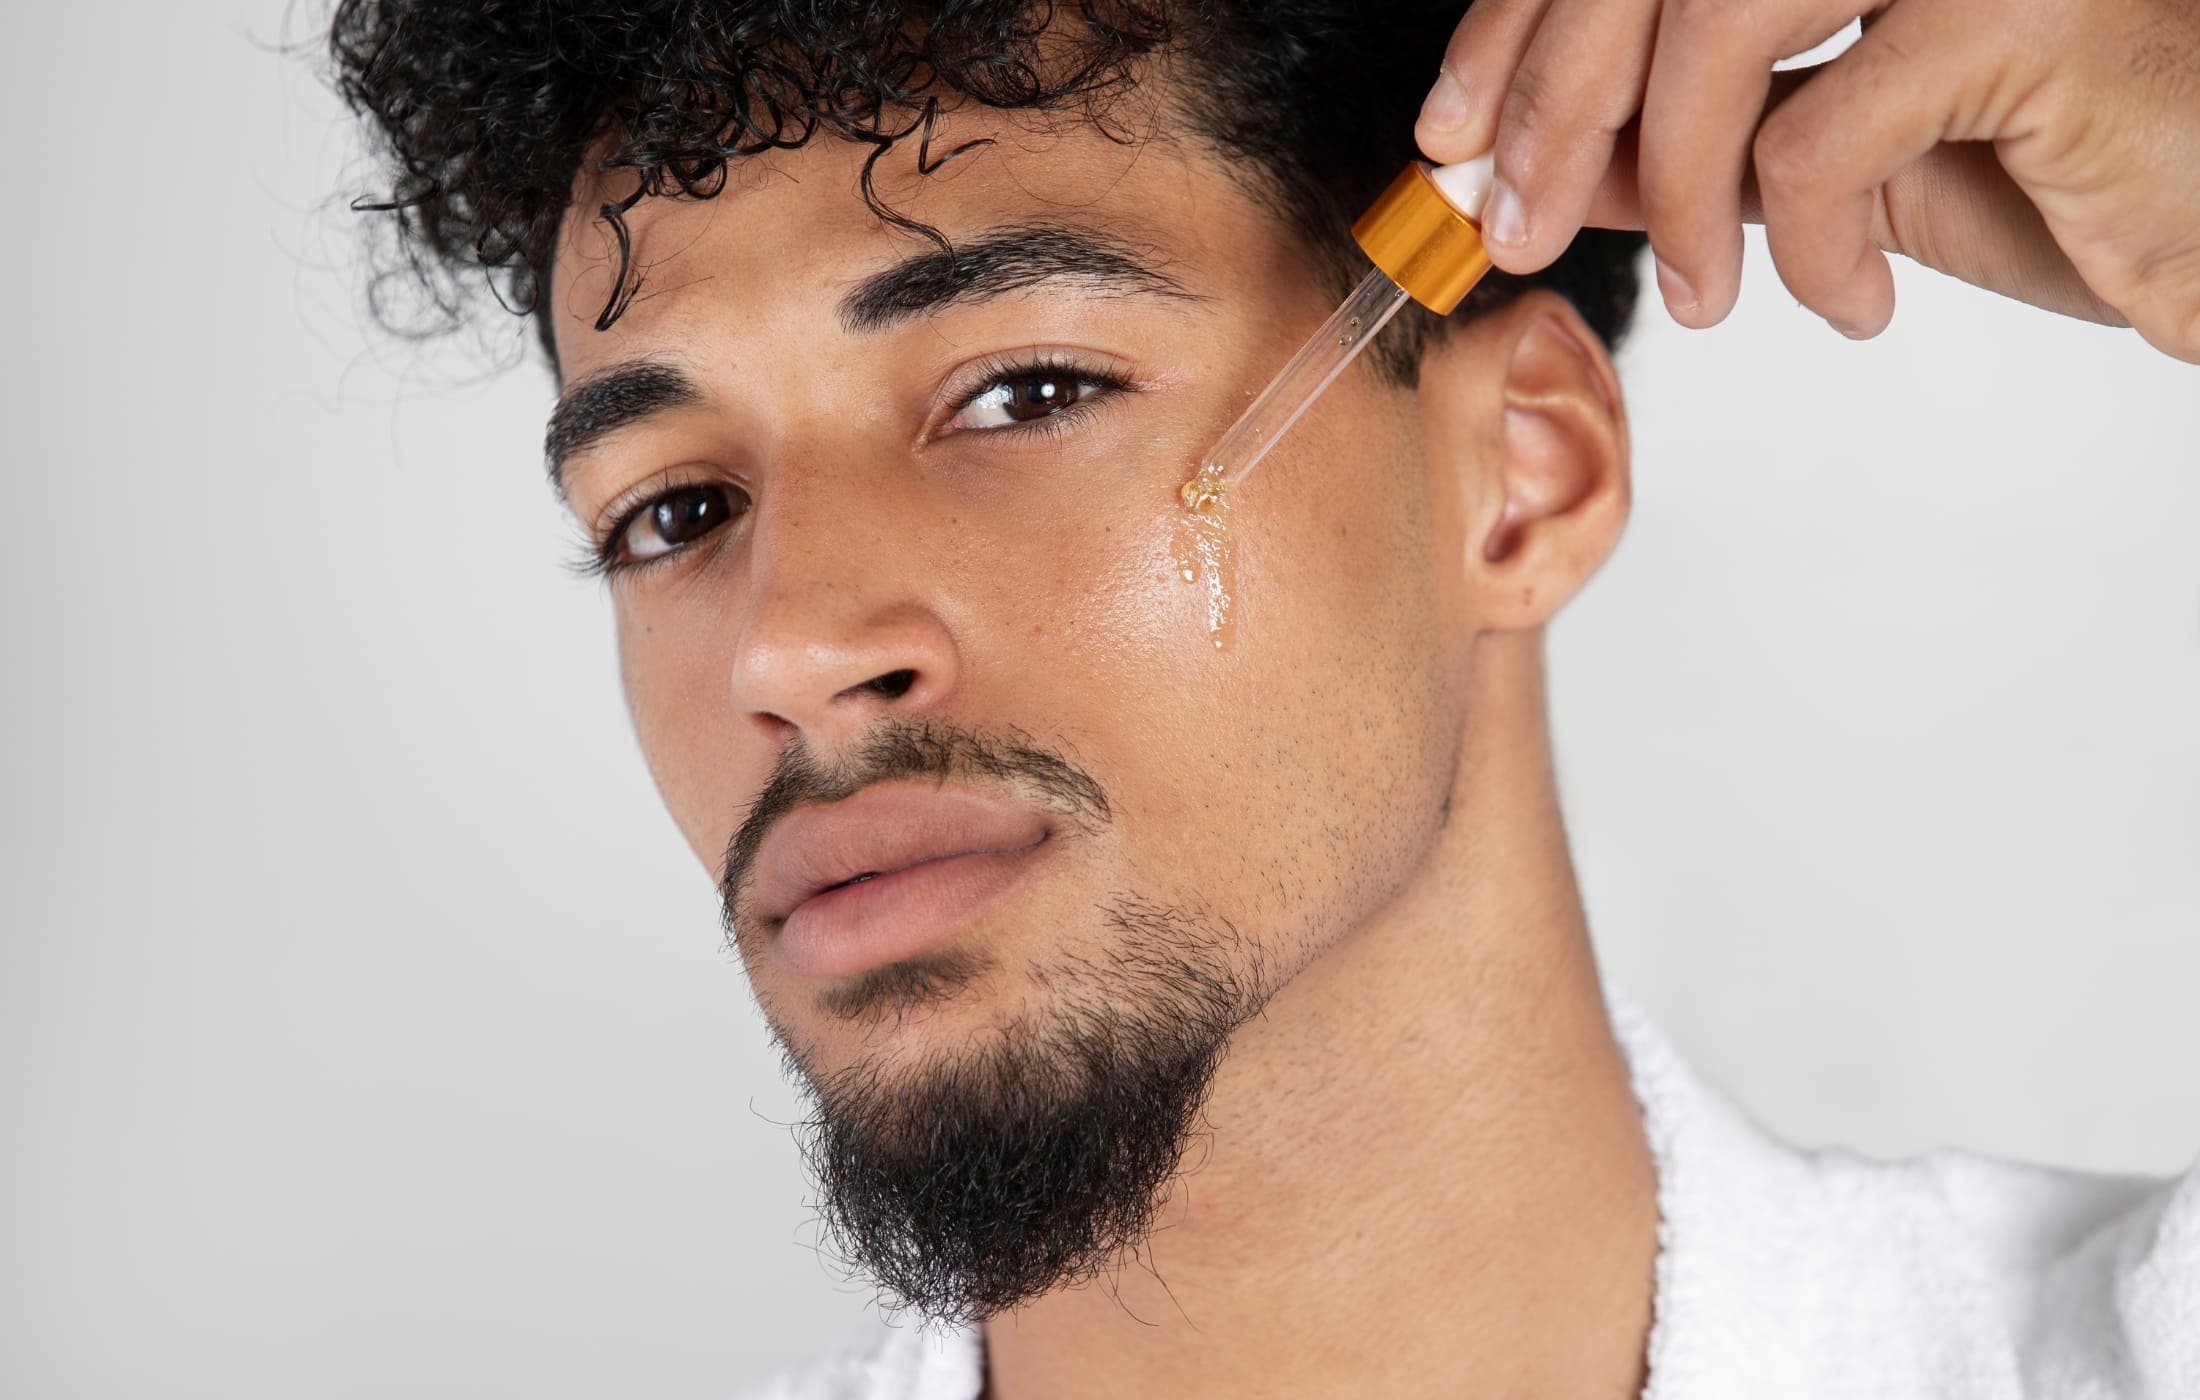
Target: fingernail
{"points": [[1850, 331], [1445, 108], [1674, 287], [1504, 221]]}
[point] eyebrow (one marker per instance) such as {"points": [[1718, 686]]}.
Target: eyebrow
{"points": [[606, 401], [1003, 260]]}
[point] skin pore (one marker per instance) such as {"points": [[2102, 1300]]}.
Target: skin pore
{"points": [[1422, 1170]]}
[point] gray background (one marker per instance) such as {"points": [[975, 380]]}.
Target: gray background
{"points": [[363, 1026]]}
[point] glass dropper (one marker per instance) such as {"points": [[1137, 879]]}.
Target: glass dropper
{"points": [[1425, 245]]}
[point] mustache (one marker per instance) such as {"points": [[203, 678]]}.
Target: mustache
{"points": [[906, 748]]}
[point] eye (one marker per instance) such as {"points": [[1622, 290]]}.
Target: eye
{"points": [[676, 518], [1026, 396]]}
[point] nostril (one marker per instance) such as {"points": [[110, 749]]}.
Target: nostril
{"points": [[894, 684]]}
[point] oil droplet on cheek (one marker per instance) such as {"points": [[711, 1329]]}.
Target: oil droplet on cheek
{"points": [[1204, 556]]}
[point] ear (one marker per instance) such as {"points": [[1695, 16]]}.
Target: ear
{"points": [[1527, 441]]}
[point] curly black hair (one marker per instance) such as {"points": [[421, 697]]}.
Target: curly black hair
{"points": [[485, 110]]}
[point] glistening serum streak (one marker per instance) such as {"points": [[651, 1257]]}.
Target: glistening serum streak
{"points": [[1422, 237]]}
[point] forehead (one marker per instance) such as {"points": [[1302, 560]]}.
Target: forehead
{"points": [[791, 233]]}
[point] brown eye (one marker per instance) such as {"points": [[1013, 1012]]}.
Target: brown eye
{"points": [[678, 518], [1024, 398], [1037, 397]]}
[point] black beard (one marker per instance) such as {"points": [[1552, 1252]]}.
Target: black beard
{"points": [[1038, 1158], [1038, 1155]]}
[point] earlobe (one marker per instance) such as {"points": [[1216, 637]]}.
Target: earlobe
{"points": [[1555, 478]]}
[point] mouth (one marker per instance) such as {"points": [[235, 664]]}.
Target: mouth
{"points": [[917, 866], [887, 874]]}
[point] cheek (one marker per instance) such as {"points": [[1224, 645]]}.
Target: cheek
{"points": [[1080, 631], [1094, 630], [679, 699], [1294, 779], [1335, 598], [1331, 737]]}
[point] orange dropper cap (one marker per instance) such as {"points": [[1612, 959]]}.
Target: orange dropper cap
{"points": [[1421, 231]]}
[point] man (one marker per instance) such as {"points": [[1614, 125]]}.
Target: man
{"points": [[1204, 1010]]}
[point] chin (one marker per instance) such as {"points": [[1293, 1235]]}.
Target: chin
{"points": [[920, 1009]]}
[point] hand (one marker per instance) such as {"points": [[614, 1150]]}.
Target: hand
{"points": [[2045, 149]]}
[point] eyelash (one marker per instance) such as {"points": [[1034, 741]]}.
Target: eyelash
{"points": [[994, 371], [599, 558]]}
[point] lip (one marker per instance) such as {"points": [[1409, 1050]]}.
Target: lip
{"points": [[887, 874]]}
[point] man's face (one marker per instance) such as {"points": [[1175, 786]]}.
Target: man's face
{"points": [[919, 586]]}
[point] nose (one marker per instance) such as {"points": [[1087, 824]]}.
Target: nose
{"points": [[840, 629]]}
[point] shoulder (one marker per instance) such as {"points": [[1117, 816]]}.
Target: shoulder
{"points": [[882, 1363], [1821, 1273]]}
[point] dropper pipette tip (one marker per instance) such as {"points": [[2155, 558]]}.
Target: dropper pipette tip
{"points": [[1206, 488]]}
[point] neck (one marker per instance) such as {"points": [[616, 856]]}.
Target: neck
{"points": [[1426, 1172]]}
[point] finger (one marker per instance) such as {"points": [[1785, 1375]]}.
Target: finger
{"points": [[1956, 209], [1822, 155], [1577, 85], [1459, 117], [1617, 202], [1707, 89]]}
